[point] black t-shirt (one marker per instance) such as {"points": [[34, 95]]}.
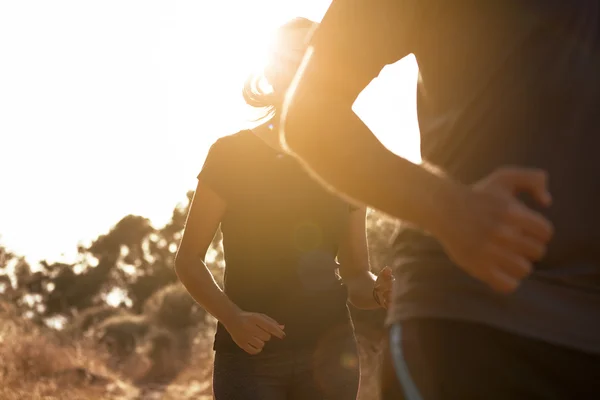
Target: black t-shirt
{"points": [[281, 232], [510, 82]]}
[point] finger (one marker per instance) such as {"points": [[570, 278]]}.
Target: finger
{"points": [[267, 318], [530, 223], [386, 298], [503, 283], [256, 343], [494, 277], [385, 279], [531, 180], [271, 326], [385, 285], [386, 304], [386, 295], [251, 350], [260, 333], [528, 247], [383, 295], [514, 266]]}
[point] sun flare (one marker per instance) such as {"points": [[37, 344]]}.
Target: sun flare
{"points": [[122, 125]]}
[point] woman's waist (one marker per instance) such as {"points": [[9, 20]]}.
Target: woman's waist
{"points": [[295, 280], [302, 332], [294, 300]]}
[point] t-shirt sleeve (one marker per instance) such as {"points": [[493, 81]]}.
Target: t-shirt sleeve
{"points": [[366, 35], [217, 169]]}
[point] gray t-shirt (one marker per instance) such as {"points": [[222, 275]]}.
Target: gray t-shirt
{"points": [[507, 82]]}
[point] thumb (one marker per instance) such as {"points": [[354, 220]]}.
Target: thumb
{"points": [[269, 319], [533, 181], [386, 273]]}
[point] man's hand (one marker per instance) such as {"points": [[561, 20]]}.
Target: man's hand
{"points": [[250, 331], [493, 236], [383, 287]]}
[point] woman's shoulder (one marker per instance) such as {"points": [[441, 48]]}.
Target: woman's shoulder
{"points": [[231, 139], [225, 163], [232, 143]]}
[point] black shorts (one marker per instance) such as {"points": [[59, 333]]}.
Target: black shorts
{"points": [[436, 359]]}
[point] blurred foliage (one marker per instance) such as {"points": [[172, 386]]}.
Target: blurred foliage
{"points": [[130, 263], [122, 297]]}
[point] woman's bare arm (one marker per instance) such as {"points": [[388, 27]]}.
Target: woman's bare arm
{"points": [[203, 219]]}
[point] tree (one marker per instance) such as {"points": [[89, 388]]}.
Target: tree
{"points": [[131, 262]]}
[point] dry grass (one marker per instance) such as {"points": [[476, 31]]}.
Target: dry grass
{"points": [[35, 365]]}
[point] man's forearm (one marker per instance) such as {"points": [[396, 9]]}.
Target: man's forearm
{"points": [[339, 150]]}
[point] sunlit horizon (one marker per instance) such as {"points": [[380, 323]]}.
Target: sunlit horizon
{"points": [[108, 108]]}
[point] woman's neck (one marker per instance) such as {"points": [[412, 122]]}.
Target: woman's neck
{"points": [[268, 132]]}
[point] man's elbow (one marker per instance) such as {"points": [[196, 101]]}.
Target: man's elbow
{"points": [[311, 123]]}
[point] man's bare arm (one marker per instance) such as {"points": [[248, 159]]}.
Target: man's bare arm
{"points": [[340, 151], [484, 228]]}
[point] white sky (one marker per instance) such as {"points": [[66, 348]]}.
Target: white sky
{"points": [[108, 107]]}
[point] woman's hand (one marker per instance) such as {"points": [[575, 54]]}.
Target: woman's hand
{"points": [[250, 331], [382, 291]]}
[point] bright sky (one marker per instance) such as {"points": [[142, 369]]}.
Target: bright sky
{"points": [[108, 107]]}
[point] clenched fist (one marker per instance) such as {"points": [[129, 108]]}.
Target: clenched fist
{"points": [[250, 331], [494, 236]]}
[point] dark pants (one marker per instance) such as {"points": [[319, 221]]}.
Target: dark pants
{"points": [[330, 371], [434, 359]]}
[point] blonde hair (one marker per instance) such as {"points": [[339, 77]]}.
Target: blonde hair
{"points": [[256, 92]]}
